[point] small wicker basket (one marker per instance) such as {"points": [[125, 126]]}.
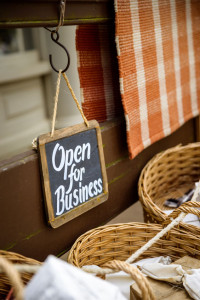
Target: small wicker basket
{"points": [[169, 174], [14, 258], [118, 242]]}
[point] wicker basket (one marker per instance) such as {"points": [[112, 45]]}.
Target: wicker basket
{"points": [[118, 242], [14, 258], [170, 174]]}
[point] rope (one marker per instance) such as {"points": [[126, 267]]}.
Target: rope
{"points": [[22, 268], [136, 274], [14, 278], [75, 99], [34, 142], [62, 14], [187, 208], [56, 103], [175, 222]]}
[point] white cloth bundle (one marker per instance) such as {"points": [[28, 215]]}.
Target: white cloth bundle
{"points": [[59, 280], [191, 282], [171, 273], [123, 280], [174, 273]]}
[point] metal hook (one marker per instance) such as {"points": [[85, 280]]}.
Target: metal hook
{"points": [[55, 39]]}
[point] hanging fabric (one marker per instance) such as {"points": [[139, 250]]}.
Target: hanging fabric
{"points": [[159, 67], [98, 72]]}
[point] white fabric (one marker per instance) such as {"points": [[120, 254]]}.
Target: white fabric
{"points": [[196, 186], [189, 218], [175, 274], [172, 273], [59, 280], [124, 281], [191, 282]]}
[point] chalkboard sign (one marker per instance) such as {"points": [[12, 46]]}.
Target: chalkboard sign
{"points": [[73, 170]]}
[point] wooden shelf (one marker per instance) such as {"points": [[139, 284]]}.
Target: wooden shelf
{"points": [[40, 13]]}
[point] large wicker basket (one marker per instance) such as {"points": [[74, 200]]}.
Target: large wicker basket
{"points": [[169, 174], [118, 242], [14, 258]]}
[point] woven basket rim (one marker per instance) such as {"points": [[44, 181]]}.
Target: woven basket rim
{"points": [[15, 258], [155, 209], [135, 226]]}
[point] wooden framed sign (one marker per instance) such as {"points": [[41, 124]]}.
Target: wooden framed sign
{"points": [[73, 171]]}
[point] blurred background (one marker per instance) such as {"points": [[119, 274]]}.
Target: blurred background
{"points": [[27, 86]]}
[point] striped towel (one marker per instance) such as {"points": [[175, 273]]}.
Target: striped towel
{"points": [[158, 47]]}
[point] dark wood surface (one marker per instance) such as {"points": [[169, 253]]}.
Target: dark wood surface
{"points": [[23, 224], [40, 13]]}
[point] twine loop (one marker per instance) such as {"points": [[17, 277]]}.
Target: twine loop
{"points": [[62, 14], [61, 17], [75, 99], [56, 101], [34, 142]]}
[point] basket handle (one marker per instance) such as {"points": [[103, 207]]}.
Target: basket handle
{"points": [[136, 274], [14, 278], [187, 208]]}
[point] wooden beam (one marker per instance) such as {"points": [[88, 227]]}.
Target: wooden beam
{"points": [[45, 13]]}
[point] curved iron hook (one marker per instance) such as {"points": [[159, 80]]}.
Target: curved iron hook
{"points": [[55, 39]]}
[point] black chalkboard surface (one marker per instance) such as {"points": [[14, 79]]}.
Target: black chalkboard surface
{"points": [[73, 169]]}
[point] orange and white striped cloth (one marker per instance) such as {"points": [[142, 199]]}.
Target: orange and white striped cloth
{"points": [[158, 47], [98, 72]]}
